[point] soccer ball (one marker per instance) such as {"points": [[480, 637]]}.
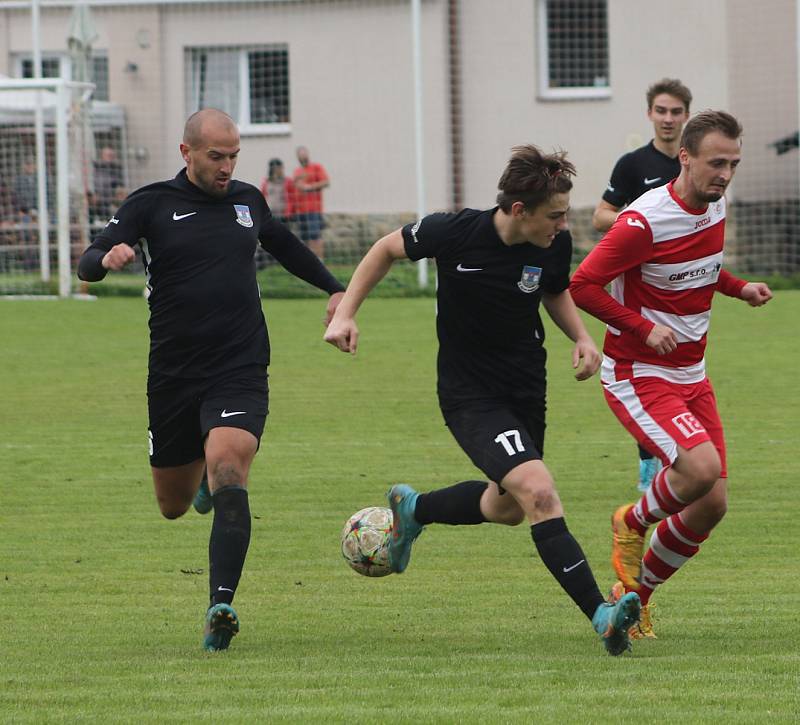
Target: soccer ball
{"points": [[365, 541]]}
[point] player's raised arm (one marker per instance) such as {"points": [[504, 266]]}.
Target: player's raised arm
{"points": [[295, 257], [342, 331], [604, 215], [756, 294], [563, 312], [112, 249], [99, 259], [627, 244]]}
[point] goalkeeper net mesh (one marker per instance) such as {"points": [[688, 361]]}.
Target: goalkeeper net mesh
{"points": [[338, 77]]}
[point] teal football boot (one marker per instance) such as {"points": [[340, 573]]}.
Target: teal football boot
{"points": [[222, 624], [405, 529], [612, 622]]}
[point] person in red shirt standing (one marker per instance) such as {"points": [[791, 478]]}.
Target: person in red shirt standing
{"points": [[309, 180], [663, 259]]}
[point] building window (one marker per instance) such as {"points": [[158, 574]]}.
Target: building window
{"points": [[59, 66], [573, 49], [51, 67], [250, 84], [99, 72]]}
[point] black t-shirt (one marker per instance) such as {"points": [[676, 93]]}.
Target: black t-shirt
{"points": [[490, 332], [198, 251], [639, 171]]}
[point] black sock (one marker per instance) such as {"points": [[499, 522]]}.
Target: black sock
{"points": [[644, 454], [230, 537], [563, 556], [456, 505]]}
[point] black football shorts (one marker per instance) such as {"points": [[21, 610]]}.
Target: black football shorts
{"points": [[182, 412], [498, 436]]}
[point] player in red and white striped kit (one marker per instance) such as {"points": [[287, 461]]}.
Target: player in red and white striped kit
{"points": [[663, 258]]}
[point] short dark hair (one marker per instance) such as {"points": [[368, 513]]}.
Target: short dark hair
{"points": [[706, 122], [533, 177], [671, 86]]}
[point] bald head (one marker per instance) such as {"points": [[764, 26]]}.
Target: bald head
{"points": [[210, 149], [206, 123]]}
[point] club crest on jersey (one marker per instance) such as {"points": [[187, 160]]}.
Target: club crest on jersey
{"points": [[529, 282], [243, 215]]}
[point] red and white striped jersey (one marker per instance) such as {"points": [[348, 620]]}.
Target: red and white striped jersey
{"points": [[663, 261]]}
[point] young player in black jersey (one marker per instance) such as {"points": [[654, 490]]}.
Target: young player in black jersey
{"points": [[650, 166], [494, 267], [209, 349]]}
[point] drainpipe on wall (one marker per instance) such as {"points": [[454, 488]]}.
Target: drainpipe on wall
{"points": [[456, 120]]}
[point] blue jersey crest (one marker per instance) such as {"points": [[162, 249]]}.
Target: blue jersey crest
{"points": [[529, 282], [243, 215]]}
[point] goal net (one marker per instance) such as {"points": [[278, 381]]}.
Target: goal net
{"points": [[409, 106], [45, 186]]}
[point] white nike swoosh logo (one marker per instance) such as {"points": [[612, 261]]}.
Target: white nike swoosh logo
{"points": [[177, 217], [570, 568], [226, 414], [224, 589], [460, 268], [651, 181]]}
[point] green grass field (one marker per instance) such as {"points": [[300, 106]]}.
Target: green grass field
{"points": [[103, 600]]}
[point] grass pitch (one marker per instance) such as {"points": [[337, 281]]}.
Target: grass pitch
{"points": [[103, 600]]}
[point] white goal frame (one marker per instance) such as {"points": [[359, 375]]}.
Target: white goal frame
{"points": [[61, 92]]}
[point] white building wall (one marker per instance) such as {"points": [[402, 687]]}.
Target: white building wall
{"points": [[763, 77], [352, 87], [351, 93], [647, 41]]}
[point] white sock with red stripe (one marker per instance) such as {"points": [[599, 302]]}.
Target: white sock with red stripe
{"points": [[658, 502], [671, 546]]}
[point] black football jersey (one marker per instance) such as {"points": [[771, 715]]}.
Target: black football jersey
{"points": [[198, 252], [490, 333], [639, 171]]}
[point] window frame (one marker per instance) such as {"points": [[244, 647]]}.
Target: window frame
{"points": [[64, 67], [546, 93], [246, 127]]}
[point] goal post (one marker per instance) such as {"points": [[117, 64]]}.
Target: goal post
{"points": [[39, 235]]}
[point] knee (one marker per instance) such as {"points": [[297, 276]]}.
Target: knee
{"points": [[715, 510], [226, 473], [705, 473], [513, 516], [541, 496], [171, 509]]}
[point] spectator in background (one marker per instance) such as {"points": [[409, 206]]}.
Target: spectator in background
{"points": [[109, 185], [24, 189], [279, 191], [309, 181], [21, 209]]}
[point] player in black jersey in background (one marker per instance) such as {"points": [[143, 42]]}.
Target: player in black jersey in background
{"points": [[494, 267], [209, 348], [652, 165]]}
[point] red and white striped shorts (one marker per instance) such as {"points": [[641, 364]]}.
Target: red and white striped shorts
{"points": [[662, 415]]}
